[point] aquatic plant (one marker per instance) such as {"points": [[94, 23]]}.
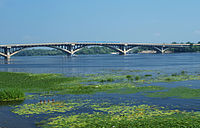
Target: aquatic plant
{"points": [[44, 108], [137, 77], [147, 75], [127, 116], [36, 82], [10, 94], [178, 92], [175, 77], [132, 90]]}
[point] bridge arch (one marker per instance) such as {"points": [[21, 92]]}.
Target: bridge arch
{"points": [[12, 51], [69, 49]]}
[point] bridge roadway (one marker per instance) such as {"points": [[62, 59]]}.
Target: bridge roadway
{"points": [[70, 47]]}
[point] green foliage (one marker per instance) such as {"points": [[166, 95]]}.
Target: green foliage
{"points": [[50, 52], [183, 76], [178, 92], [128, 76], [107, 80], [95, 50], [44, 108], [126, 117], [137, 77], [11, 94], [147, 75], [36, 82], [132, 90], [40, 52]]}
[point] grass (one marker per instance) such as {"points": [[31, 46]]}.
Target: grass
{"points": [[132, 90], [91, 89], [14, 85], [27, 82], [11, 94], [178, 92], [36, 82], [175, 77]]}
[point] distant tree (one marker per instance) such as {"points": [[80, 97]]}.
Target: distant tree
{"points": [[198, 42], [189, 42], [174, 43]]}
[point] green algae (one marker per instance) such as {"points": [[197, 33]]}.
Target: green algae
{"points": [[126, 116], [45, 108], [178, 92]]}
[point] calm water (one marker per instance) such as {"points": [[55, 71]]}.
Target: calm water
{"points": [[167, 63], [102, 63]]}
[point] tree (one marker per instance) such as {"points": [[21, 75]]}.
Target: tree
{"points": [[174, 43]]}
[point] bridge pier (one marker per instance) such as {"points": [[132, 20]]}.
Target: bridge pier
{"points": [[160, 50], [70, 54], [122, 53], [7, 52]]}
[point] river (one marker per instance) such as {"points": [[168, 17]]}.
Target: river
{"points": [[84, 64]]}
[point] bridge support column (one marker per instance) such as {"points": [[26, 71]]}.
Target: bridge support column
{"points": [[70, 54], [160, 50], [122, 53], [71, 50], [7, 53], [123, 49]]}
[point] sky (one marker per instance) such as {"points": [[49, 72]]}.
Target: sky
{"points": [[155, 21]]}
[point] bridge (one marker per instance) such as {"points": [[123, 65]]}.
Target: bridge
{"points": [[71, 47]]}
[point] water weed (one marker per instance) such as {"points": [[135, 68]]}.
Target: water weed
{"points": [[127, 116], [36, 82], [10, 94], [178, 92], [132, 90], [44, 108]]}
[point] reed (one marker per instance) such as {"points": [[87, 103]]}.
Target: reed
{"points": [[11, 94], [36, 82]]}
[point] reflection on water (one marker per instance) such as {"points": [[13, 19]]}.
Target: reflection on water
{"points": [[5, 61], [6, 103]]}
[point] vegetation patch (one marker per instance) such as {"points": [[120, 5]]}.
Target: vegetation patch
{"points": [[132, 90], [36, 82], [178, 92], [106, 78], [127, 116], [11, 94], [45, 108], [91, 89], [175, 77]]}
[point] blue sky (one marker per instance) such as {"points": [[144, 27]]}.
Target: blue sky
{"points": [[34, 21]]}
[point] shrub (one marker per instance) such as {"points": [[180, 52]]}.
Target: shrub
{"points": [[137, 77]]}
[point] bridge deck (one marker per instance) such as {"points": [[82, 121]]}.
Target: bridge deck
{"points": [[75, 43]]}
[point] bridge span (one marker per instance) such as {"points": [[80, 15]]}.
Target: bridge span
{"points": [[71, 47]]}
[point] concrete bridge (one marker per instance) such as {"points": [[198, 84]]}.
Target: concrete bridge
{"points": [[70, 47]]}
